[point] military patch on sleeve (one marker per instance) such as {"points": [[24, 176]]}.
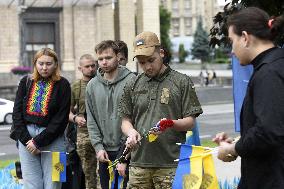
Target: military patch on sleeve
{"points": [[165, 96]]}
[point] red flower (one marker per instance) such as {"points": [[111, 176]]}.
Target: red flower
{"points": [[165, 123]]}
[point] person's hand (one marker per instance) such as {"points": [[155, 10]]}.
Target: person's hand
{"points": [[133, 139], [32, 148], [80, 121], [102, 156], [121, 167], [225, 152], [222, 137]]}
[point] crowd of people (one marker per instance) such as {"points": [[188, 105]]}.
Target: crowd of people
{"points": [[110, 107]]}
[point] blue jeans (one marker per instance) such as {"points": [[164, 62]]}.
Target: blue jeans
{"points": [[36, 169]]}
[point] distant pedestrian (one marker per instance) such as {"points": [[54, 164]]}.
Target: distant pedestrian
{"points": [[40, 117], [201, 78], [207, 78], [214, 77], [261, 146]]}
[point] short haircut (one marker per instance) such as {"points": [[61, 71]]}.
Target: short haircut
{"points": [[88, 57], [122, 48], [105, 45]]}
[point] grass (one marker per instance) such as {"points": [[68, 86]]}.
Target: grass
{"points": [[208, 143]]}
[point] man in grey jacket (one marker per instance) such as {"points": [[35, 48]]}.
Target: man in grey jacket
{"points": [[102, 97]]}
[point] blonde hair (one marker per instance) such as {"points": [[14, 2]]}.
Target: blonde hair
{"points": [[48, 52]]}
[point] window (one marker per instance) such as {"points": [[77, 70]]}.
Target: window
{"points": [[38, 36], [40, 29], [187, 4], [188, 26], [175, 4], [175, 26]]}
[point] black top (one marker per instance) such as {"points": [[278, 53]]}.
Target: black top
{"points": [[44, 104], [261, 145]]}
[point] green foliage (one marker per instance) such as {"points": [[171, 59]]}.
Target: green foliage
{"points": [[200, 47], [222, 52], [182, 53], [222, 61], [218, 33], [165, 25]]}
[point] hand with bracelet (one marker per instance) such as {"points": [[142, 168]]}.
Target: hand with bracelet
{"points": [[31, 147]]}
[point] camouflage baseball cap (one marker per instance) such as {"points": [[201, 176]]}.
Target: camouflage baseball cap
{"points": [[145, 43]]}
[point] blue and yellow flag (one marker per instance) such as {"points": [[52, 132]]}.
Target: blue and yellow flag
{"points": [[189, 170], [209, 178], [241, 77], [192, 137], [59, 166], [195, 169], [114, 177]]}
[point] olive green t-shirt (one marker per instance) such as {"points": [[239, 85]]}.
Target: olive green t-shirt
{"points": [[145, 101], [78, 90]]}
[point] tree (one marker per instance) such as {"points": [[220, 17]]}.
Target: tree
{"points": [[200, 47], [165, 25], [182, 53], [218, 32]]}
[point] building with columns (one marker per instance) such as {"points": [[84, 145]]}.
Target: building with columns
{"points": [[71, 28]]}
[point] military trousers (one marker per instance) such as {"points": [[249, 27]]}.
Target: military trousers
{"points": [[88, 158], [150, 178]]}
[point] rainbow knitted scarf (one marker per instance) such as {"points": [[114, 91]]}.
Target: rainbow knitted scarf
{"points": [[39, 98]]}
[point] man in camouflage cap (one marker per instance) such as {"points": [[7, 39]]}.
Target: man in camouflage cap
{"points": [[158, 93], [86, 152]]}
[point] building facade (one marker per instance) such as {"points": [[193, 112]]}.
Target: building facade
{"points": [[70, 27], [185, 15]]}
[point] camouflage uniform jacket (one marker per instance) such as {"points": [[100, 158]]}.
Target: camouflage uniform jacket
{"points": [[145, 101], [78, 89]]}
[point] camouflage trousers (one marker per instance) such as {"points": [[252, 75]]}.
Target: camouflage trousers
{"points": [[88, 158], [150, 178]]}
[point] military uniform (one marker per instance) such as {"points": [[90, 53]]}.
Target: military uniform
{"points": [[85, 149], [145, 101]]}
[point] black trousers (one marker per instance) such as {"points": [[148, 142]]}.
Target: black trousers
{"points": [[75, 178]]}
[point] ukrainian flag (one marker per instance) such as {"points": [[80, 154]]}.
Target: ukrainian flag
{"points": [[192, 137], [195, 169], [114, 177], [241, 77], [59, 166], [189, 170]]}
